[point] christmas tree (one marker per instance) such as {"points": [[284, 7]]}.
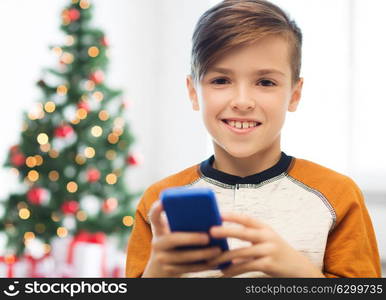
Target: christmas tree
{"points": [[74, 148]]}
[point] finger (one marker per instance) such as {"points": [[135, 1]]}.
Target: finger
{"points": [[242, 219], [180, 269], [240, 254], [250, 266], [242, 233], [178, 239], [159, 226], [190, 256]]}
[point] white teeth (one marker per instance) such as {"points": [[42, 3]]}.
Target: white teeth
{"points": [[242, 125]]}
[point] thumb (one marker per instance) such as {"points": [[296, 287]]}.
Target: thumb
{"points": [[158, 219]]}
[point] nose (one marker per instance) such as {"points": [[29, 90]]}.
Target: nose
{"points": [[243, 99]]}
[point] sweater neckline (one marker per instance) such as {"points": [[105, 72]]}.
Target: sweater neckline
{"points": [[206, 168]]}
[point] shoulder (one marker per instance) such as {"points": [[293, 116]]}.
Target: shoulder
{"points": [[319, 177], [313, 173], [338, 189], [184, 177]]}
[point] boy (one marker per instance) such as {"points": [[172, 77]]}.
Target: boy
{"points": [[284, 216]]}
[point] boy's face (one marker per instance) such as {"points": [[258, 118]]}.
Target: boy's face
{"points": [[249, 83]]}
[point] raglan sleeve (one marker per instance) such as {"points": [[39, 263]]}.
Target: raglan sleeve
{"points": [[139, 245], [351, 249]]}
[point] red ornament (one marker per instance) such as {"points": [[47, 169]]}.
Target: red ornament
{"points": [[63, 131], [17, 159], [134, 159], [73, 14], [109, 205], [70, 207], [84, 105], [97, 76], [37, 195], [93, 175], [104, 41]]}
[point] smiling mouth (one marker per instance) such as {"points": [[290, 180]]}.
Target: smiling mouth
{"points": [[241, 124]]}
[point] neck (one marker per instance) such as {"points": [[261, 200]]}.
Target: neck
{"points": [[246, 166]]}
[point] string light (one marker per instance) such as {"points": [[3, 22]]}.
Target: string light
{"points": [[70, 40], [31, 116], [39, 160], [72, 187], [57, 50], [55, 217], [50, 107], [53, 153], [98, 96], [128, 221], [111, 178], [75, 121], [111, 154], [33, 175], [53, 175], [81, 216], [113, 138], [93, 51], [45, 147], [79, 159], [42, 138], [62, 232], [67, 58], [119, 122], [36, 112], [89, 152], [29, 236], [61, 90], [84, 4], [118, 131], [81, 113], [96, 131], [24, 213], [103, 115], [30, 162], [90, 85]]}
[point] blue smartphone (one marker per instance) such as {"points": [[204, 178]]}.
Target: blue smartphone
{"points": [[193, 210]]}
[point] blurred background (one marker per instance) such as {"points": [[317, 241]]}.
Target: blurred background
{"points": [[339, 122]]}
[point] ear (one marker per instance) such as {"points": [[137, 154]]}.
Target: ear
{"points": [[192, 92], [296, 95]]}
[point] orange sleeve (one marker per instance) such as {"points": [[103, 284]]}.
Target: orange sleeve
{"points": [[139, 246], [351, 249]]}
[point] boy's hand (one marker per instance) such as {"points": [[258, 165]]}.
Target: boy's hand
{"points": [[165, 260], [268, 252]]}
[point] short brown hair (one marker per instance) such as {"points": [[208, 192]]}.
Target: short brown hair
{"points": [[234, 23]]}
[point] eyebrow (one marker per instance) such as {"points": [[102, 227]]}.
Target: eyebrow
{"points": [[257, 72]]}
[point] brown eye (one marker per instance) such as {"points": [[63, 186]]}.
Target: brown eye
{"points": [[266, 82], [220, 81]]}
